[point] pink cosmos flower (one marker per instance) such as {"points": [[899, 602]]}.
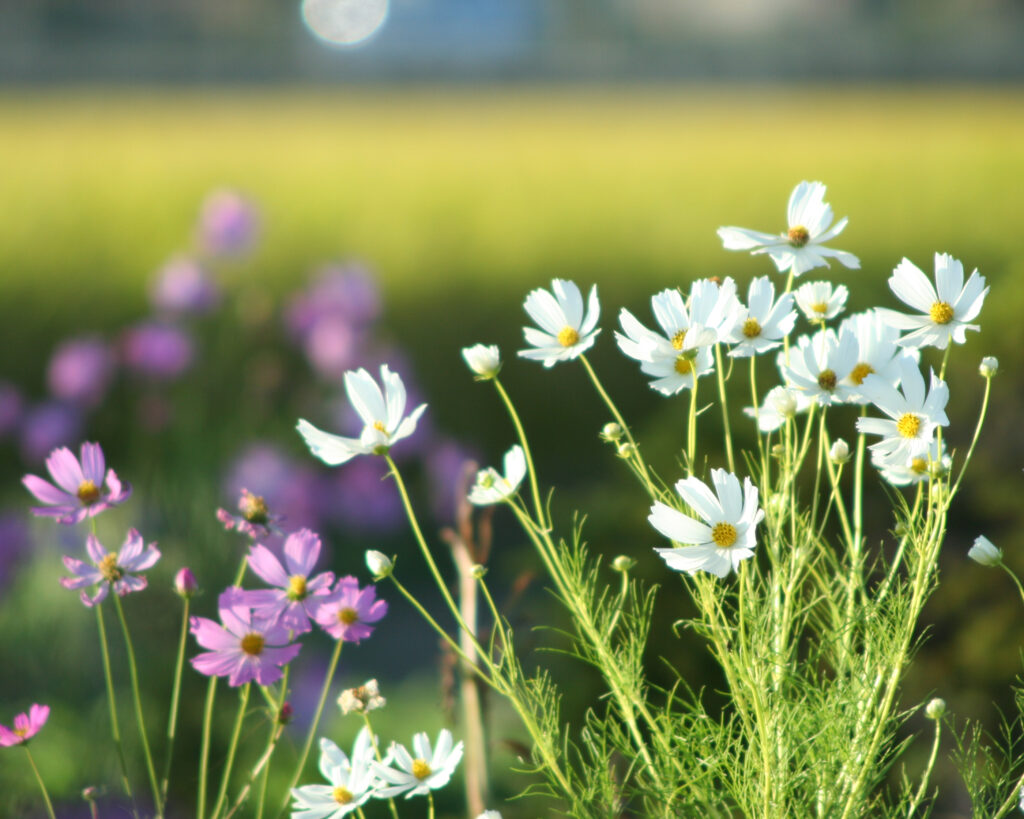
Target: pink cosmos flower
{"points": [[255, 520], [26, 726], [246, 647], [110, 568], [347, 611], [297, 597], [78, 494]]}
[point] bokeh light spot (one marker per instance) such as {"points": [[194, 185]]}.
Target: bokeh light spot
{"points": [[344, 22]]}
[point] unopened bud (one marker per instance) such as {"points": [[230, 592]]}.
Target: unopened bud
{"points": [[611, 433], [185, 583], [623, 563], [284, 716], [840, 452], [626, 451], [478, 571], [935, 709], [989, 366], [985, 552], [778, 450], [482, 359], [901, 529], [379, 564]]}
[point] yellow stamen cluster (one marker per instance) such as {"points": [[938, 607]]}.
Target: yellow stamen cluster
{"points": [[420, 769], [723, 534], [751, 329], [88, 493], [919, 465], [908, 425], [819, 307], [109, 569], [568, 336], [799, 236], [379, 426], [941, 312], [683, 365], [827, 380], [252, 644], [348, 616], [678, 339], [860, 372], [253, 508], [342, 795], [297, 587]]}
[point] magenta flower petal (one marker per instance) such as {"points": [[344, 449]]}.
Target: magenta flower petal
{"points": [[64, 468], [267, 566], [301, 551], [26, 726], [93, 464], [46, 491], [213, 664]]}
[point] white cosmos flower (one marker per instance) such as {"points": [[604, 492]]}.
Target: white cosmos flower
{"points": [[913, 415], [820, 302], [351, 782], [946, 309], [726, 535], [801, 247], [427, 771], [762, 325], [817, 365], [491, 487], [878, 351], [916, 469], [483, 359], [489, 814], [985, 552], [383, 414], [565, 331], [780, 404]]}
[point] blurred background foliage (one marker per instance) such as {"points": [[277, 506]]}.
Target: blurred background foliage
{"points": [[333, 227]]}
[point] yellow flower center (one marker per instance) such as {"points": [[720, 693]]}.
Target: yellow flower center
{"points": [[908, 425], [683, 365], [348, 616], [819, 307], [253, 508], [919, 465], [252, 644], [751, 329], [568, 336], [20, 731], [88, 493], [108, 568], [342, 795], [678, 339], [723, 534], [420, 769], [827, 380], [941, 312], [860, 372], [297, 587], [379, 426], [799, 236]]}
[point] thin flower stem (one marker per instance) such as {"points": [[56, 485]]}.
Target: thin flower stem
{"points": [[844, 521], [259, 770], [430, 802], [376, 751], [311, 735], [232, 748], [42, 786], [172, 719], [974, 438], [1013, 576], [927, 771], [137, 699], [521, 433], [691, 430], [730, 460], [115, 729], [1011, 801]]}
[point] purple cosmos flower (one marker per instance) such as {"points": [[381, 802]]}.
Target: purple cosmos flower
{"points": [[80, 371], [255, 519], [11, 405], [228, 223], [111, 568], [26, 726], [347, 611], [182, 286], [157, 350], [297, 597], [246, 647], [347, 292], [80, 494], [47, 426]]}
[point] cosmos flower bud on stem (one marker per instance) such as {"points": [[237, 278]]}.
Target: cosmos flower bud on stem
{"points": [[840, 452], [284, 716], [935, 709], [989, 366], [611, 433], [379, 564], [985, 552], [623, 563], [626, 451], [185, 583], [478, 571], [484, 360]]}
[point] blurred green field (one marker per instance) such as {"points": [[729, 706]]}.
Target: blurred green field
{"points": [[462, 200]]}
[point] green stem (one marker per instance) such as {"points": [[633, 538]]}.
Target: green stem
{"points": [[521, 433], [137, 699], [376, 751], [725, 407], [172, 719], [276, 715], [1016, 580], [115, 729], [974, 438], [232, 748], [39, 779], [927, 771], [691, 429], [430, 802], [204, 751]]}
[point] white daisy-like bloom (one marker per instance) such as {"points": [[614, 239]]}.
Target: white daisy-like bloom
{"points": [[483, 359], [493, 487], [383, 414], [817, 365], [489, 814], [712, 304], [947, 306], [763, 323], [916, 469], [566, 331], [779, 405], [726, 535], [351, 782], [985, 552], [878, 351], [819, 301], [913, 414], [417, 775], [801, 247]]}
